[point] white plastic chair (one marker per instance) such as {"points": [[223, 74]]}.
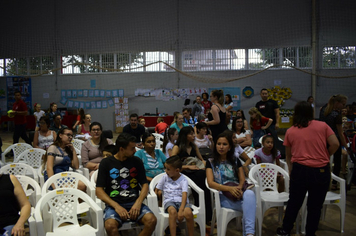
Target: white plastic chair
{"points": [[60, 206], [20, 169], [264, 176], [93, 178], [220, 214], [68, 180], [163, 218], [31, 188], [33, 193], [32, 157], [159, 140], [332, 198], [77, 143], [17, 149], [71, 180]]}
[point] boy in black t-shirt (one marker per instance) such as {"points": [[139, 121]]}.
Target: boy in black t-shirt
{"points": [[118, 185]]}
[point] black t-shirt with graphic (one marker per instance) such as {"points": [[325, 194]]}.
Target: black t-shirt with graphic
{"points": [[121, 179]]}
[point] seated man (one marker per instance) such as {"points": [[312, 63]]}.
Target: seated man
{"points": [[135, 129], [57, 124], [118, 185], [187, 118]]}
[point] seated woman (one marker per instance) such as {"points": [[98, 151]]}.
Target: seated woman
{"points": [[12, 201], [239, 152], [92, 149], [61, 155], [242, 114], [243, 136], [179, 124], [185, 148], [44, 137], [203, 140], [225, 168], [153, 159], [84, 127]]}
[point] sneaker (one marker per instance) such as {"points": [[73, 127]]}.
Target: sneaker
{"points": [[281, 232]]}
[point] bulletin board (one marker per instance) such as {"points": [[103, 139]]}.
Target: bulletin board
{"points": [[22, 84]]}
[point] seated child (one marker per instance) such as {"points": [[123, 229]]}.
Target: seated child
{"points": [[109, 150], [161, 126], [269, 154], [175, 191]]}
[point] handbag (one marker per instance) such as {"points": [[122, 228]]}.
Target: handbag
{"points": [[245, 186], [194, 161]]}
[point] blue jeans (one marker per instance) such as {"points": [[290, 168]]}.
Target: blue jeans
{"points": [[257, 134], [8, 230], [110, 213], [305, 179], [247, 206]]}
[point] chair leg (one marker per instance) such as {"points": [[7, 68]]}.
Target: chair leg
{"points": [[213, 220]]}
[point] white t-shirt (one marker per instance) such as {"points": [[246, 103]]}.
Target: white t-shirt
{"points": [[238, 151], [38, 115], [259, 154], [173, 190], [168, 146], [202, 143]]}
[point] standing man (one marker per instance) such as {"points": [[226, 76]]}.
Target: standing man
{"points": [[118, 185], [269, 108], [20, 111], [197, 108], [135, 129]]}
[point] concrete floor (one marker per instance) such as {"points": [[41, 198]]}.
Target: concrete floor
{"points": [[329, 227]]}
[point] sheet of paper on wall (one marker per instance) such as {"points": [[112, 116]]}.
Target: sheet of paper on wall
{"points": [[111, 103], [63, 93], [70, 104], [98, 104], [102, 93], [87, 105], [82, 105], [114, 93], [104, 104], [76, 104], [116, 100], [126, 106], [85, 93], [117, 118], [126, 100], [91, 93], [63, 100], [121, 92], [108, 93], [93, 106], [285, 119]]}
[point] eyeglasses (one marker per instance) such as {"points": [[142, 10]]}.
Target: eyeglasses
{"points": [[69, 135], [96, 130]]}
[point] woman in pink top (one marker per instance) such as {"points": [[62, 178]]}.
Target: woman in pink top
{"points": [[307, 155]]}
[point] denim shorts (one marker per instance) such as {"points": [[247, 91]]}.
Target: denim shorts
{"points": [[110, 213], [7, 230], [176, 205]]}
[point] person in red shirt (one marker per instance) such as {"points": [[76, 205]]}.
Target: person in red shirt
{"points": [[20, 111], [161, 126], [259, 124]]}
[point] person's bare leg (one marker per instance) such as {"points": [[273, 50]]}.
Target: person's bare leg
{"points": [[112, 227], [173, 215], [189, 218], [149, 221]]}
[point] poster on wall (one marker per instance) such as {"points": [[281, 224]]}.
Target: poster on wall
{"points": [[235, 93], [22, 84]]}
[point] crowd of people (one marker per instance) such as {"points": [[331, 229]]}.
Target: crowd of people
{"points": [[200, 145]]}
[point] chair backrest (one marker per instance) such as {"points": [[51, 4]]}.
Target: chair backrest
{"points": [[77, 143], [265, 175], [19, 169], [68, 180], [32, 157], [63, 206], [31, 188], [94, 177], [17, 149], [159, 140]]}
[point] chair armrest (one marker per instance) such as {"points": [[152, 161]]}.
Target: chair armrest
{"points": [[153, 203]]}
